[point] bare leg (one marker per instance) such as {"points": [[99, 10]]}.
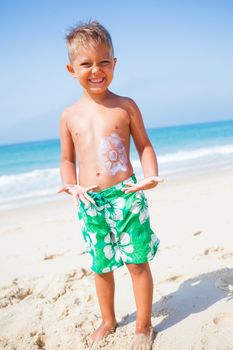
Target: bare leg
{"points": [[105, 288], [143, 292]]}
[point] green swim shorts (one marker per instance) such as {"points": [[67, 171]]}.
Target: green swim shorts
{"points": [[116, 229]]}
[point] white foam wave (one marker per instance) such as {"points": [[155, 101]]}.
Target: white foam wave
{"points": [[18, 188], [42, 183], [52, 176], [32, 176], [196, 153]]}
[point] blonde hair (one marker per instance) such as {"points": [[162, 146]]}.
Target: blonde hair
{"points": [[86, 34]]}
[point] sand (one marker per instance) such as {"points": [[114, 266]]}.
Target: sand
{"points": [[47, 295]]}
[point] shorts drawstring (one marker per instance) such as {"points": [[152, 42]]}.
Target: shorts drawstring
{"points": [[99, 199]]}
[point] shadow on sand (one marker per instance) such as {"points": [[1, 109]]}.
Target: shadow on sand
{"points": [[193, 295]]}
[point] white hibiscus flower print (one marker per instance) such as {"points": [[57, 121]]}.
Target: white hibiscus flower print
{"points": [[82, 224], [111, 224], [118, 247], [114, 209], [90, 241], [112, 154], [107, 269], [154, 239], [91, 209], [140, 205], [108, 249], [90, 259]]}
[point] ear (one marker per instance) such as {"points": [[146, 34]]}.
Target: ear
{"points": [[71, 70], [114, 62]]}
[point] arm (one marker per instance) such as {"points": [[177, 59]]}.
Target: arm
{"points": [[68, 167], [145, 150], [67, 163]]}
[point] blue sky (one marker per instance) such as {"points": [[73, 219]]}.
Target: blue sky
{"points": [[174, 58]]}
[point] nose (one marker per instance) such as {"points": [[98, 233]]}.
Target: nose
{"points": [[95, 68]]}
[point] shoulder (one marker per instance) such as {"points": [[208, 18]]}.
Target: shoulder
{"points": [[69, 112], [64, 115], [129, 104], [132, 108]]}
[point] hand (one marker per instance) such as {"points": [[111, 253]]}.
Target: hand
{"points": [[144, 184], [78, 192]]}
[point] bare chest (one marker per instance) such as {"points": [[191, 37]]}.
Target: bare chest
{"points": [[89, 130]]}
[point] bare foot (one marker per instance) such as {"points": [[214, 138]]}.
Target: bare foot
{"points": [[101, 332], [143, 341]]}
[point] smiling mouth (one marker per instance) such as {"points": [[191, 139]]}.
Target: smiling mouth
{"points": [[96, 81]]}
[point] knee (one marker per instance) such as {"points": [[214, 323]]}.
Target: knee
{"points": [[137, 269]]}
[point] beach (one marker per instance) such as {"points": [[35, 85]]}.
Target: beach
{"points": [[47, 294]]}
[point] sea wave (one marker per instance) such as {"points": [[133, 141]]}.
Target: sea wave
{"points": [[31, 176], [196, 153], [51, 176], [28, 187], [44, 183]]}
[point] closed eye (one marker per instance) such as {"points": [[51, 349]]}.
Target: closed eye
{"points": [[104, 63], [88, 64], [85, 64]]}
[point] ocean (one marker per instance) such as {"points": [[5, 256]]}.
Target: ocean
{"points": [[29, 172]]}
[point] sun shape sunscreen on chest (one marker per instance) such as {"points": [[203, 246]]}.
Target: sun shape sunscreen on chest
{"points": [[112, 154]]}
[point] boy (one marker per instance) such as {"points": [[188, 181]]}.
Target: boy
{"points": [[113, 209]]}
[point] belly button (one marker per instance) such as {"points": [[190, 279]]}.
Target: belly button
{"points": [[98, 174]]}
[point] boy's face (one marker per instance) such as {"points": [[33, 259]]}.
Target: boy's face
{"points": [[93, 66]]}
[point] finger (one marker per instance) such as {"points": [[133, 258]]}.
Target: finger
{"points": [[65, 188], [128, 190], [62, 189], [124, 189], [90, 188], [158, 179], [89, 198], [75, 198], [129, 184], [83, 199]]}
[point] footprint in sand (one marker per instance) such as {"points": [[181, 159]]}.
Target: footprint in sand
{"points": [[52, 256], [77, 274], [174, 278], [224, 317], [59, 294], [207, 251], [213, 250], [65, 313], [218, 333], [89, 298], [197, 233], [14, 295], [39, 341], [226, 256]]}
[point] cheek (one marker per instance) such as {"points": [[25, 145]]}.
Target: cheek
{"points": [[83, 75], [109, 71]]}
